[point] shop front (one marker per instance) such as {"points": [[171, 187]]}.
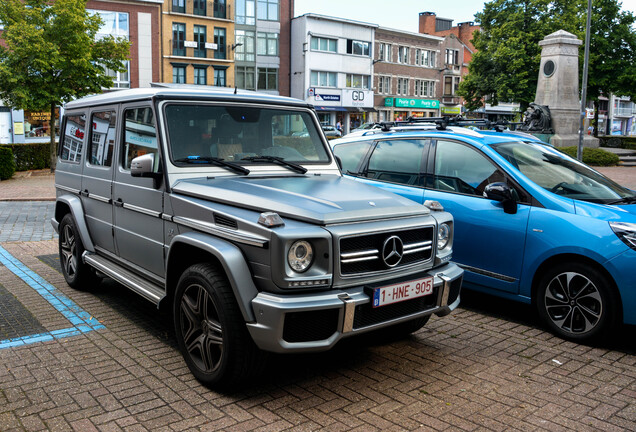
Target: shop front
{"points": [[403, 108], [37, 125], [349, 107]]}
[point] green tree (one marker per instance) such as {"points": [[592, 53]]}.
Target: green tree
{"points": [[612, 66], [49, 54], [506, 66]]}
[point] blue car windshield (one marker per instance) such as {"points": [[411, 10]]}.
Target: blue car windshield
{"points": [[560, 174]]}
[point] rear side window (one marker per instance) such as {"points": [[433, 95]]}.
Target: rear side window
{"points": [[397, 161], [140, 135], [351, 155], [73, 139], [102, 141]]}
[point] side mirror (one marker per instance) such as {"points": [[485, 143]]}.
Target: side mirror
{"points": [[501, 192], [142, 166]]}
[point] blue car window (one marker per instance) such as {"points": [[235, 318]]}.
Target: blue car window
{"points": [[397, 161], [351, 154], [558, 173], [462, 169]]}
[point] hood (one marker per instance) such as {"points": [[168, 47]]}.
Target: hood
{"points": [[316, 199], [624, 213]]}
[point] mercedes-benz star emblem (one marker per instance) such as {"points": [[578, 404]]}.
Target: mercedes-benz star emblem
{"points": [[392, 251]]}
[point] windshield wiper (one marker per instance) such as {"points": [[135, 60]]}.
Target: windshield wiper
{"points": [[277, 160], [214, 161], [626, 200]]}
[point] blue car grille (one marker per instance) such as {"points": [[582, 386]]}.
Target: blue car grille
{"points": [[368, 253]]}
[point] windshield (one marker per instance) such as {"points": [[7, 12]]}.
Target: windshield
{"points": [[241, 135], [559, 173]]}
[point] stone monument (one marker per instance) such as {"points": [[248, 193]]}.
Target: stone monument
{"points": [[558, 88]]}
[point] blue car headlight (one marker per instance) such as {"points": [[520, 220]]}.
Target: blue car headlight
{"points": [[626, 232]]}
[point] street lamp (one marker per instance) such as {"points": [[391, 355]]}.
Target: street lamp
{"points": [[586, 61], [234, 46]]}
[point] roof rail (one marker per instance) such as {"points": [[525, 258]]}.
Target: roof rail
{"points": [[443, 122]]}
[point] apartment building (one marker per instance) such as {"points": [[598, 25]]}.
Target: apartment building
{"points": [[198, 42], [407, 76], [332, 67], [262, 45]]}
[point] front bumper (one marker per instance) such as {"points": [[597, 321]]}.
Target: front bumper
{"points": [[317, 321]]}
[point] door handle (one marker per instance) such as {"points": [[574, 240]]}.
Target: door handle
{"points": [[118, 203], [84, 193]]}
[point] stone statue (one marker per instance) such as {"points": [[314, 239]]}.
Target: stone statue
{"points": [[537, 118]]}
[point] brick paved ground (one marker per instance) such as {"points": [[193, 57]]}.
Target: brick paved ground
{"points": [[485, 367], [488, 366]]}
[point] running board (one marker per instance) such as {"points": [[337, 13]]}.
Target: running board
{"points": [[148, 290]]}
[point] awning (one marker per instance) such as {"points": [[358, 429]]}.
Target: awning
{"points": [[329, 108], [361, 109]]}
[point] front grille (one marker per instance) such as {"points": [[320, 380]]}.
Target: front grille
{"points": [[310, 325], [364, 254], [367, 315]]}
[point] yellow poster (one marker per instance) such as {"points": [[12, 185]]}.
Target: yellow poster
{"points": [[18, 128]]}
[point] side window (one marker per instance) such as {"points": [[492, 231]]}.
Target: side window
{"points": [[397, 161], [140, 135], [462, 169], [102, 140], [73, 139], [351, 154]]}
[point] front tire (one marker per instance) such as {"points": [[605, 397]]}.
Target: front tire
{"points": [[211, 331], [77, 274], [577, 302]]}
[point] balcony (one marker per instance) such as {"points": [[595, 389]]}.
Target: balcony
{"points": [[624, 112], [210, 9], [211, 52], [450, 100]]}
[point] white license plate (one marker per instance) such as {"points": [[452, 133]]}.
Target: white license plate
{"points": [[403, 291]]}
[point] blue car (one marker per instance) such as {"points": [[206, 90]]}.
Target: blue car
{"points": [[531, 224]]}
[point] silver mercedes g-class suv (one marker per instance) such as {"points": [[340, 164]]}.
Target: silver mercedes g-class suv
{"points": [[229, 208]]}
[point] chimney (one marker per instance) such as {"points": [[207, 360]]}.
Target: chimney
{"points": [[427, 22]]}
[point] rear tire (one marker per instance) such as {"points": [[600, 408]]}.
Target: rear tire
{"points": [[211, 331], [77, 274]]}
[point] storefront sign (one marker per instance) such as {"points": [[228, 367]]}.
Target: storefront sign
{"points": [[328, 97], [452, 110], [190, 44], [357, 98], [210, 45], [38, 116], [388, 102], [416, 103], [18, 128]]}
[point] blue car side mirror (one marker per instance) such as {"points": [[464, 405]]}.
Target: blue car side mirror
{"points": [[501, 192]]}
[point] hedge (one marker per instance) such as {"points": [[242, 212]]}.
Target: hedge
{"points": [[618, 141], [7, 163], [593, 156], [30, 156]]}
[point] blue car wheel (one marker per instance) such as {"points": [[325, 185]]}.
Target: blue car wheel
{"points": [[577, 302]]}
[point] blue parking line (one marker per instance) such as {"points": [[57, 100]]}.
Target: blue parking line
{"points": [[82, 321]]}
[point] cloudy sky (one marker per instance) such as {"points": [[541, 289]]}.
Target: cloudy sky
{"points": [[400, 14]]}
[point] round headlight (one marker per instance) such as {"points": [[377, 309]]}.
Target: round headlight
{"points": [[443, 236], [300, 256]]}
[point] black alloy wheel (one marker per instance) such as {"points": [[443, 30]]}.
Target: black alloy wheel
{"points": [[211, 331], [77, 274], [577, 302]]}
